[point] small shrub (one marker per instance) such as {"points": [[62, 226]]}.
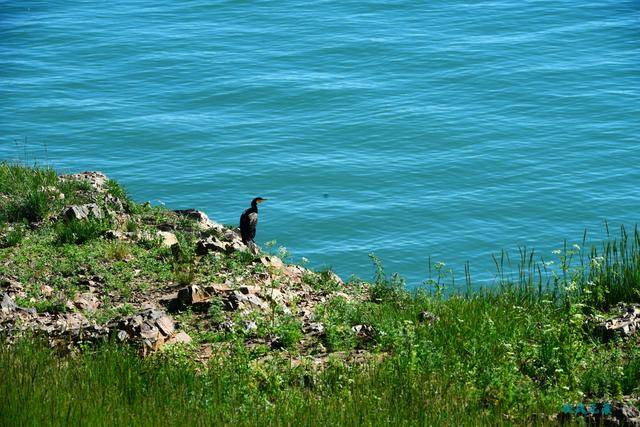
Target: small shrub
{"points": [[339, 337], [321, 281], [216, 310], [11, 237], [118, 251], [132, 226], [239, 261], [80, 231], [289, 331], [183, 274]]}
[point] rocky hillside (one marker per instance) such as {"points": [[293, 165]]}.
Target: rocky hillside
{"points": [[91, 265]]}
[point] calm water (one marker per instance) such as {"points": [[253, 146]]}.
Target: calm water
{"points": [[408, 129]]}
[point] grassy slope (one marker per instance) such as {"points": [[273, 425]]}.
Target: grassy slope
{"points": [[491, 357]]}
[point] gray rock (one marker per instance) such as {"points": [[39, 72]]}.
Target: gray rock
{"points": [[249, 301], [227, 325], [364, 332], [81, 212], [254, 249], [10, 283], [201, 218], [179, 338], [150, 328], [315, 328], [627, 323], [87, 301], [166, 326], [192, 295], [427, 317], [627, 414], [7, 305], [245, 289], [211, 244], [250, 326]]}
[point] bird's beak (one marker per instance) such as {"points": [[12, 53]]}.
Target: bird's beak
{"points": [[262, 200]]}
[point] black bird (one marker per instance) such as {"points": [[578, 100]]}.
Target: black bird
{"points": [[249, 221]]}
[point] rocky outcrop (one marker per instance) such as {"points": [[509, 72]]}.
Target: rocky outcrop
{"points": [[227, 242], [238, 294], [99, 194], [281, 290], [82, 212], [149, 329], [624, 324], [201, 219], [97, 180]]}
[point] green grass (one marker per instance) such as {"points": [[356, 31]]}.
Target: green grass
{"points": [[598, 277], [33, 194], [492, 356], [487, 360]]}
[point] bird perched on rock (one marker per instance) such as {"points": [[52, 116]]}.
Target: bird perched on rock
{"points": [[249, 221]]}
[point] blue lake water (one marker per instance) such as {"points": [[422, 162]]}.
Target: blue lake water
{"points": [[409, 129]]}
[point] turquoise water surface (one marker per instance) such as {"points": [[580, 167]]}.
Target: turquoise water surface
{"points": [[410, 129]]}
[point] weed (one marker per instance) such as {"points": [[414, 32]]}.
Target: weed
{"points": [[119, 251], [384, 289], [322, 281], [183, 274], [216, 310]]}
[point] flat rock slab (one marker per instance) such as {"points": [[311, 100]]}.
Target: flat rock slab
{"points": [[168, 239]]}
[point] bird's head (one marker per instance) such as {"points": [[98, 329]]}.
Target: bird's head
{"points": [[257, 200]]}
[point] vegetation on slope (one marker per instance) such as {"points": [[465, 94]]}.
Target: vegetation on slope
{"points": [[515, 353]]}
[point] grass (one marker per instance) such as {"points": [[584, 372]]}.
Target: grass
{"points": [[33, 194], [491, 356], [113, 386], [487, 360]]}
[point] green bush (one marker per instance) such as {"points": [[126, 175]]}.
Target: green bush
{"points": [[80, 231], [289, 330]]}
